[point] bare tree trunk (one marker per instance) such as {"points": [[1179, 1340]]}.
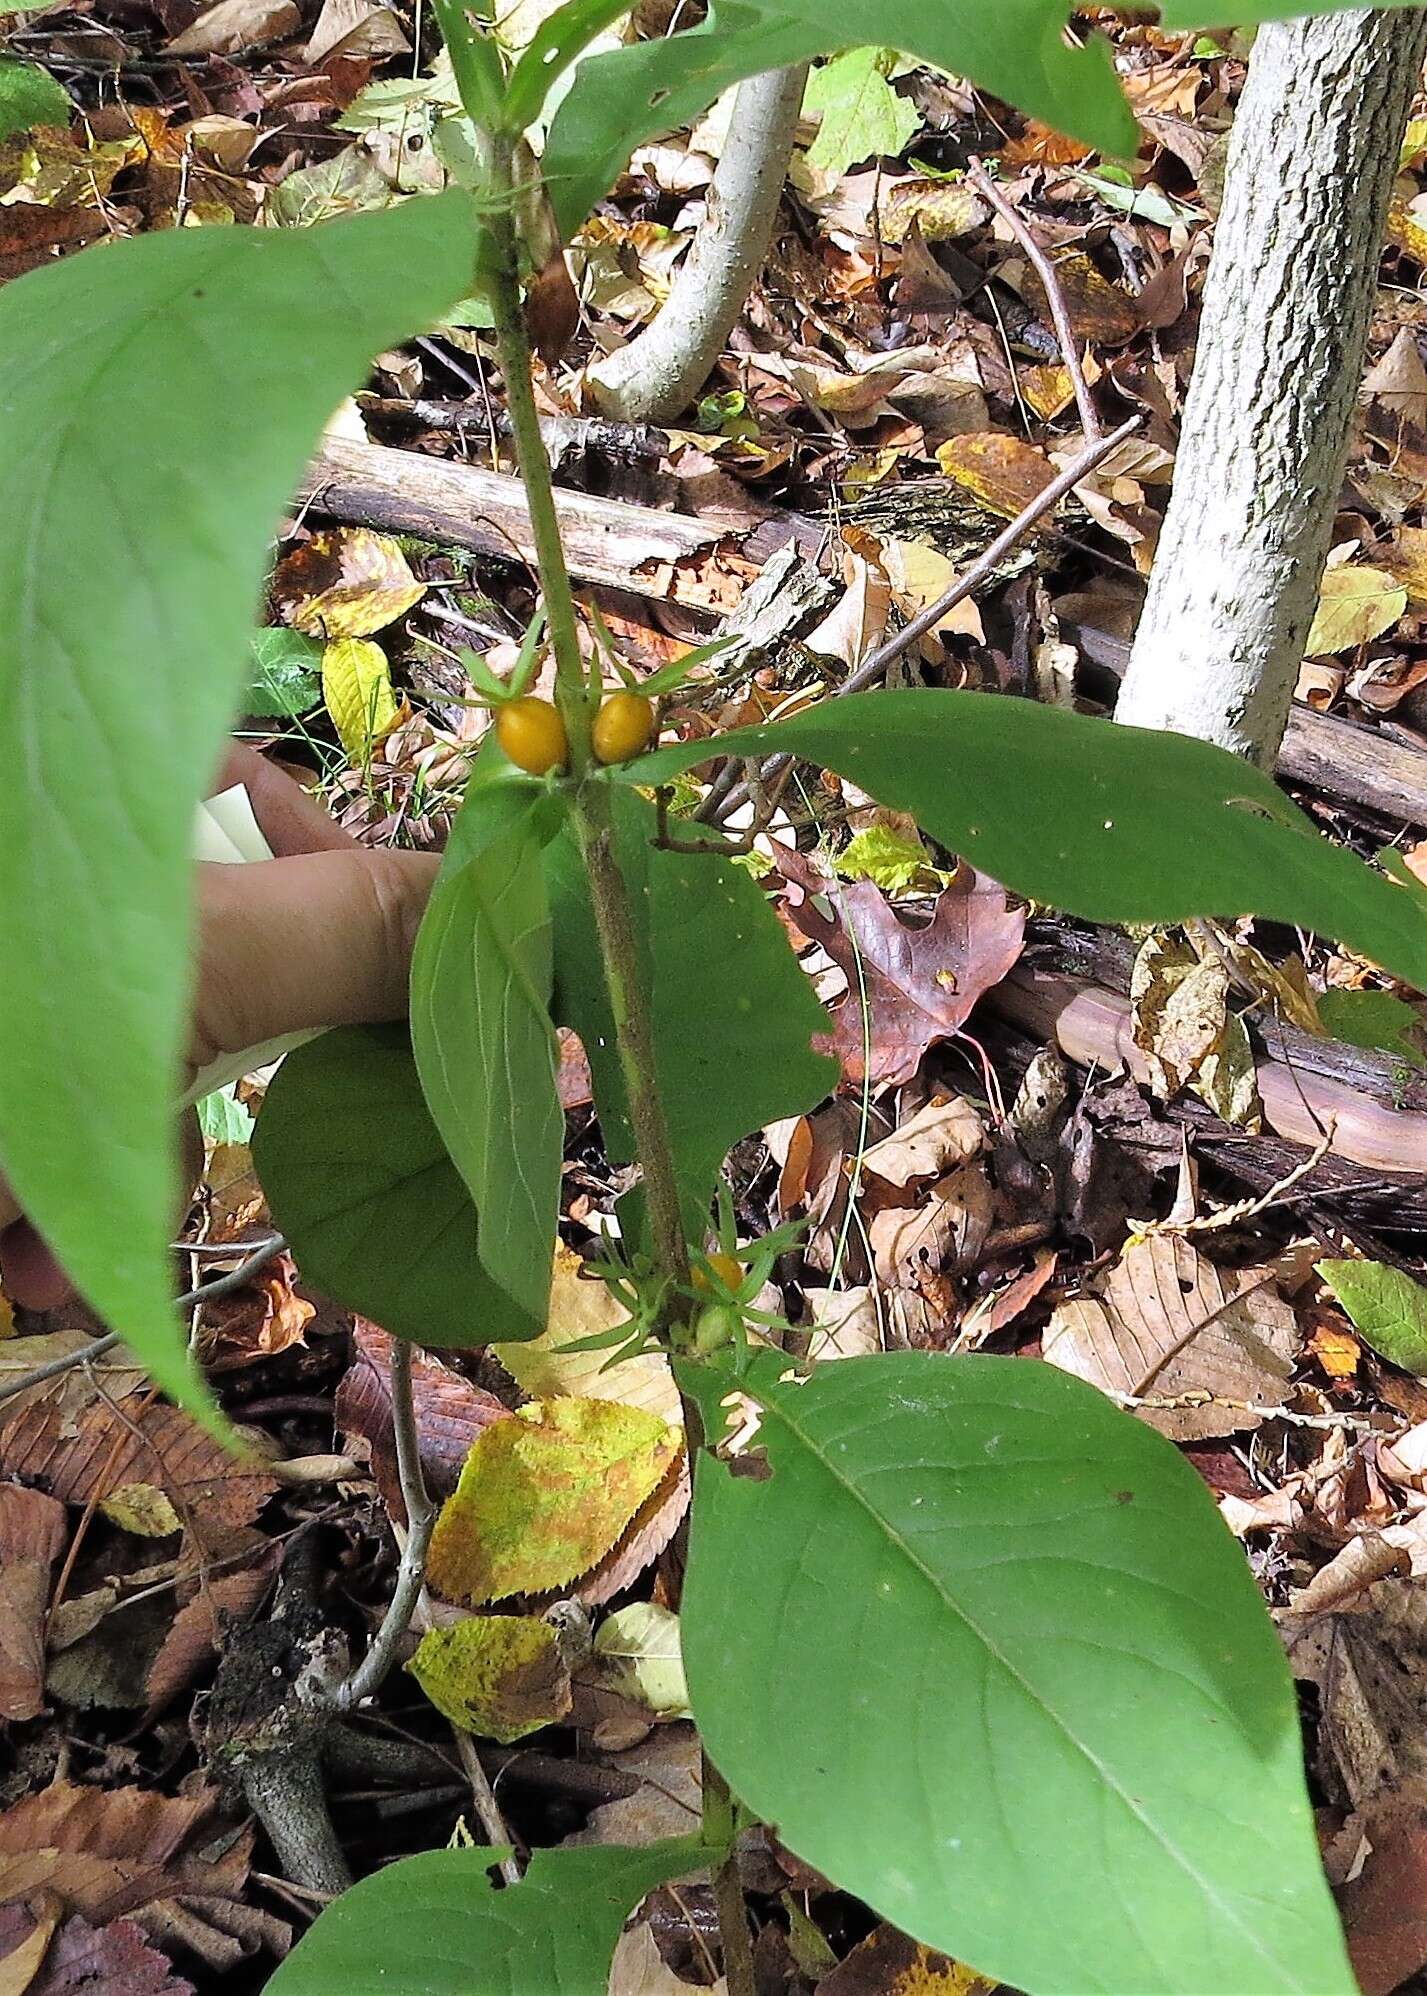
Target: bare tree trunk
{"points": [[1267, 421], [655, 377]]}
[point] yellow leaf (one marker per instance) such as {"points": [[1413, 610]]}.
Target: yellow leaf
{"points": [[1001, 471], [895, 1965], [356, 689], [346, 583], [1406, 233], [1357, 603], [141, 1508], [581, 1308], [638, 1655], [1406, 559], [942, 209], [544, 1496], [919, 576], [1048, 389], [501, 1676]]}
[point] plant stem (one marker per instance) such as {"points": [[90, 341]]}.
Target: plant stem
{"points": [[629, 1000], [420, 1517], [513, 346], [719, 1829]]}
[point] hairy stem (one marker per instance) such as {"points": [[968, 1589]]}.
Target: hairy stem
{"points": [[629, 1000]]}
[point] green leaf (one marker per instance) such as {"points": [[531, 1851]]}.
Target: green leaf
{"points": [[734, 1015], [165, 394], [862, 115], [435, 1925], [357, 1177], [979, 1635], [30, 96], [223, 1119], [481, 1032], [1387, 1309], [888, 858], [286, 673], [1017, 49], [1115, 823], [1373, 1019]]}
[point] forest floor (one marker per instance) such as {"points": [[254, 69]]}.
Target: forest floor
{"points": [[1122, 1155]]}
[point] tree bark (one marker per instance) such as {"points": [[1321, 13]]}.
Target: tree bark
{"points": [[655, 377], [1269, 412]]}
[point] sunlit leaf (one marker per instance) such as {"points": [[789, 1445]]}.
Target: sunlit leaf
{"points": [[862, 116], [1356, 604], [544, 1496], [141, 524], [1386, 1307], [1031, 1651]]}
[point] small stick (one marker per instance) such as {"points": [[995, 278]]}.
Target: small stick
{"points": [[221, 1285], [371, 1672], [1046, 271], [487, 1807], [876, 663]]}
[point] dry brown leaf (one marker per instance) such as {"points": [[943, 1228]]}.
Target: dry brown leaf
{"points": [[71, 1391], [76, 1959], [230, 26], [134, 1441], [667, 1802], [451, 1412], [858, 620], [940, 210], [1406, 559], [945, 1133], [1398, 381], [197, 1631], [844, 1323], [1166, 1322], [946, 1231], [1100, 311], [353, 30], [921, 576], [889, 1963], [1041, 145], [266, 1316], [32, 1535], [921, 984], [1002, 471], [638, 1969]]}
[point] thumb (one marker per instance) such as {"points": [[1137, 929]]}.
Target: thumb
{"points": [[316, 939]]}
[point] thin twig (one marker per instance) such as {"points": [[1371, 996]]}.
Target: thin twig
{"points": [[1046, 271], [487, 1808], [1173, 1403], [221, 1285], [877, 662], [371, 1672]]}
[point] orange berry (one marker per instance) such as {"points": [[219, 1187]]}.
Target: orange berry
{"points": [[623, 727], [533, 735], [728, 1269]]}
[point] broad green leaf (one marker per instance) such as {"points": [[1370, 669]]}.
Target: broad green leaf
{"points": [[30, 96], [286, 673], [435, 1925], [1387, 1309], [481, 1032], [223, 1119], [163, 395], [501, 1676], [544, 1496], [1373, 1019], [734, 1016], [1115, 823], [862, 115], [981, 1648], [357, 1177], [1017, 49]]}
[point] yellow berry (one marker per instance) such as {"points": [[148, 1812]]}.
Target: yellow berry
{"points": [[623, 727], [533, 735]]}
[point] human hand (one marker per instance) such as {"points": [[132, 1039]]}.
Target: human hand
{"points": [[320, 935]]}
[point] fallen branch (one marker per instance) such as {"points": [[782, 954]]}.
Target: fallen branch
{"points": [[716, 807], [1045, 270], [617, 545]]}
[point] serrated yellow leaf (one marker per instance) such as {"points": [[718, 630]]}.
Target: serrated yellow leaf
{"points": [[357, 692], [582, 1308], [141, 1508], [1356, 604], [501, 1676], [544, 1496]]}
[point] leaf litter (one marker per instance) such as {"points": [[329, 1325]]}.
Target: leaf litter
{"points": [[903, 394]]}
